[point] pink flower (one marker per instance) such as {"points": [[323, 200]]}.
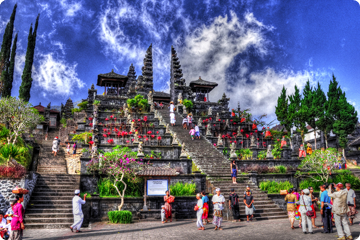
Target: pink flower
{"points": [[106, 119]]}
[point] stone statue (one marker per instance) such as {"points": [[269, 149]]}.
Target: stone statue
{"points": [[219, 141], [252, 142], [210, 111], [152, 108], [227, 123], [268, 152], [167, 130], [124, 106], [140, 150], [132, 128], [183, 153], [239, 132], [180, 98], [232, 151], [208, 130], [302, 152], [128, 119], [199, 122], [150, 97], [217, 116], [92, 87], [94, 151], [161, 121], [126, 112], [136, 137], [175, 141]]}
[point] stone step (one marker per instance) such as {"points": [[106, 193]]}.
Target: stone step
{"points": [[56, 182], [49, 220], [48, 215], [48, 210], [54, 186], [51, 197], [54, 202], [50, 205], [49, 225], [52, 191]]}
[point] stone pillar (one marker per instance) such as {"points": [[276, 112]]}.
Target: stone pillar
{"points": [[253, 177]]}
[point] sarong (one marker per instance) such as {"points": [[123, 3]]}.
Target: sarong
{"points": [[16, 235], [205, 214], [218, 217], [291, 215], [78, 220], [199, 214], [352, 211]]}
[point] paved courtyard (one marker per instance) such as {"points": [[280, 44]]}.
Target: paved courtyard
{"points": [[267, 230]]}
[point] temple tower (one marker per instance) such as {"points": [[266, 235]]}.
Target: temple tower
{"points": [[145, 82], [177, 83]]}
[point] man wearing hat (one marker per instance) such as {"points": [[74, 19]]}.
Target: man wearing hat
{"points": [[77, 211], [55, 146], [218, 201], [340, 210], [234, 205]]}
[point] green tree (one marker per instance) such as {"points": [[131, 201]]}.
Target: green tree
{"points": [[345, 121], [24, 92], [8, 83], [323, 122], [5, 50], [298, 113], [282, 112]]}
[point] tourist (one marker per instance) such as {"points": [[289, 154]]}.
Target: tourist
{"points": [[234, 205], [314, 204], [305, 205], [247, 189], [168, 199], [205, 200], [184, 123], [172, 119], [290, 198], [68, 146], [74, 149], [249, 210], [197, 132], [77, 211], [351, 202], [199, 212], [234, 170], [325, 210], [340, 211], [172, 107], [17, 222], [161, 105], [297, 206], [4, 232], [55, 146], [163, 214], [192, 133], [189, 120], [218, 201]]}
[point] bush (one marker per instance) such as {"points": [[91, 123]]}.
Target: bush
{"points": [[63, 122], [181, 189], [14, 170], [120, 216], [96, 102], [280, 169], [275, 187], [188, 104]]}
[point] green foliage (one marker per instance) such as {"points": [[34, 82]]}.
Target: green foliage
{"points": [[107, 189], [282, 111], [9, 77], [87, 196], [63, 122], [280, 169], [298, 112], [20, 154], [276, 151], [83, 105], [262, 155], [320, 162], [225, 151], [81, 136], [275, 187], [96, 102], [343, 176], [24, 92], [194, 168], [121, 151], [138, 102], [120, 216], [188, 104], [247, 154], [183, 189]]}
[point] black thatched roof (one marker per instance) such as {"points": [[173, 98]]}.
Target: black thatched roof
{"points": [[111, 77], [157, 171], [161, 94], [201, 82], [356, 142]]}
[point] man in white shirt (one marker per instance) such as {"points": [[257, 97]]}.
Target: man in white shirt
{"points": [[218, 202], [197, 132], [4, 226], [351, 202], [77, 211]]}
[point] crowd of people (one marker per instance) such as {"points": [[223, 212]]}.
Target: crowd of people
{"points": [[337, 205], [56, 146], [12, 222]]}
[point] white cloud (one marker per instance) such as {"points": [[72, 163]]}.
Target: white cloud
{"points": [[56, 76], [1, 1]]}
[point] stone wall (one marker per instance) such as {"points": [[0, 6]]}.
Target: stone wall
{"points": [[7, 185], [269, 163]]}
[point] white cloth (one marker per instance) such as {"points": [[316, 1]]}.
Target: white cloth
{"points": [[350, 197], [172, 118], [197, 129], [3, 224], [77, 202], [172, 108], [341, 221], [249, 211], [163, 217], [218, 200], [307, 200], [78, 220], [8, 212], [305, 219], [199, 213]]}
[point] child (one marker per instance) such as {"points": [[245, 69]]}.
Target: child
{"points": [[184, 123], [163, 214], [197, 131], [192, 133], [172, 119], [189, 119], [68, 148]]}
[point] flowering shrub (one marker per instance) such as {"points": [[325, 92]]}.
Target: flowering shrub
{"points": [[111, 141], [90, 118], [91, 142], [14, 170], [106, 119]]}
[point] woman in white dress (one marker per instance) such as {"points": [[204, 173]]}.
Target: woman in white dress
{"points": [[172, 119], [199, 212]]}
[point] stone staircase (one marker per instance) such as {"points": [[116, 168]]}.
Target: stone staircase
{"points": [[217, 168], [50, 204], [355, 171]]}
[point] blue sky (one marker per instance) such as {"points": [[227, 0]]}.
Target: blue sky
{"points": [[251, 48]]}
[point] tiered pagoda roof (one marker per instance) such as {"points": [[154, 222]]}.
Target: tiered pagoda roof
{"points": [[112, 78], [201, 83]]}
